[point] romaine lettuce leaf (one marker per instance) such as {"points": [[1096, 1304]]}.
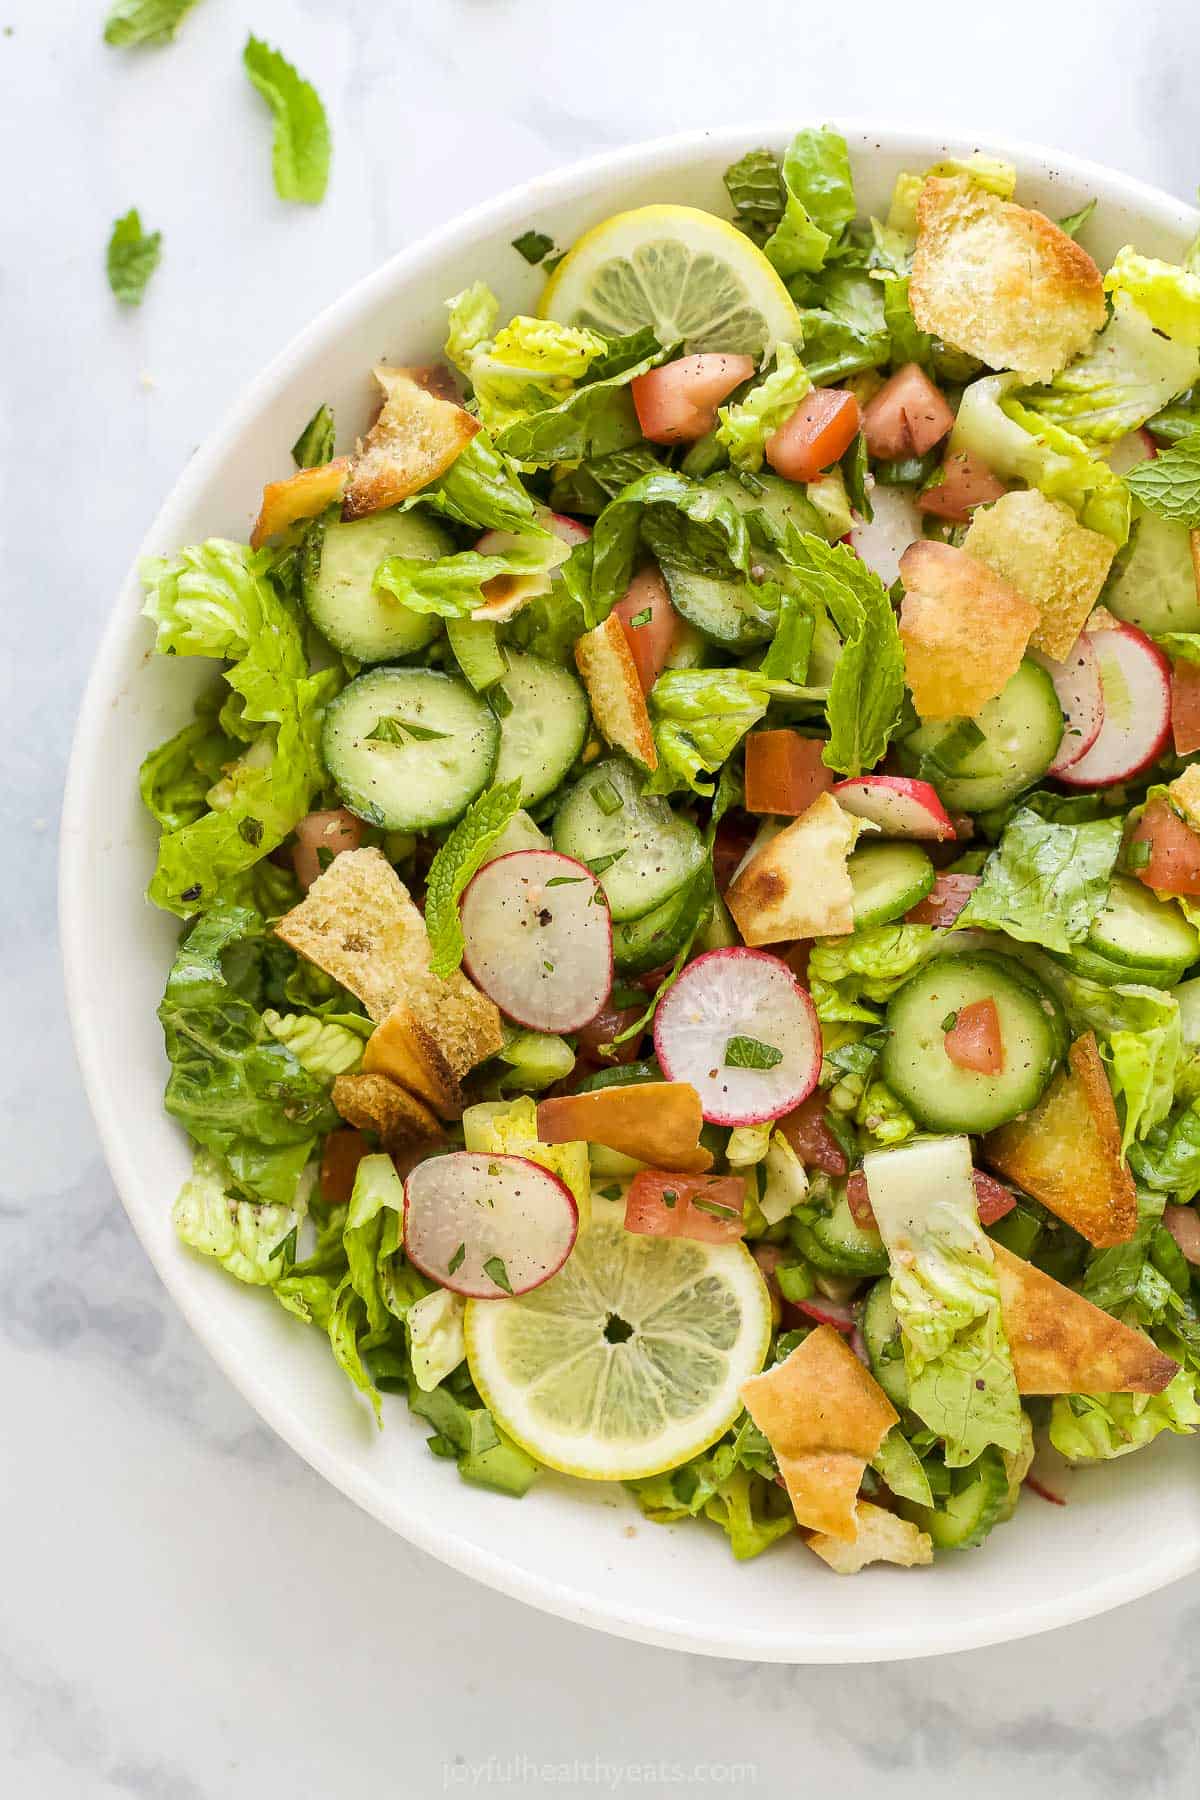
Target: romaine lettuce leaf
{"points": [[452, 587], [1145, 1064], [1127, 375], [1044, 883], [872, 963], [250, 1239], [745, 427], [597, 418], [436, 1343], [175, 778], [481, 490], [526, 366], [1169, 296], [699, 717], [1097, 1427], [818, 204], [323, 1047], [1168, 1159], [755, 187], [733, 1485]]}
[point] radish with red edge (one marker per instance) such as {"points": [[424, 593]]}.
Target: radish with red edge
{"points": [[568, 529], [538, 939], [895, 526], [1134, 448], [487, 1226], [741, 1030], [828, 1312], [1135, 678], [901, 808], [1080, 694]]}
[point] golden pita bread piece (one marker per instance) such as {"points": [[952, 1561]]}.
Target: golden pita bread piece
{"points": [[609, 673], [373, 1103], [1066, 1152], [1062, 1344], [658, 1122], [964, 630], [825, 1417], [1001, 282], [1041, 548], [418, 434], [881, 1537], [797, 885], [302, 496]]}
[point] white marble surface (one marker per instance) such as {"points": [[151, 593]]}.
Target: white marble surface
{"points": [[186, 1611]]}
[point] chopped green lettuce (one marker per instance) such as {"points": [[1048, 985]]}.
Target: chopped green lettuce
{"points": [[755, 187], [901, 1469], [1127, 375], [818, 202], [1044, 883], [597, 419], [699, 717], [733, 1485], [302, 146], [1169, 296], [436, 1343], [481, 490], [868, 965], [452, 587], [1097, 1427], [1144, 1066], [324, 1047], [745, 427], [250, 1239], [525, 367]]}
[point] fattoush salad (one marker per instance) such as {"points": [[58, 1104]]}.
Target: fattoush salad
{"points": [[689, 865]]}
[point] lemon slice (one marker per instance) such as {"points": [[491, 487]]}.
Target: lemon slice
{"points": [[629, 1360], [690, 275]]}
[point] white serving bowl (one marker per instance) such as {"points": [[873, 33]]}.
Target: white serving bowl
{"points": [[579, 1551]]}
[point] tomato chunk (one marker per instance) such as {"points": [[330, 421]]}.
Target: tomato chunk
{"points": [[1174, 865], [602, 1029], [907, 417], [784, 772], [732, 841], [859, 1202], [319, 838], [973, 1041], [1185, 707], [966, 483], [341, 1154], [707, 1208], [810, 1137], [945, 899], [652, 639], [815, 435], [992, 1198], [678, 402]]}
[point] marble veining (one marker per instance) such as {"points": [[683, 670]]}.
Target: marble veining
{"points": [[188, 1612]]}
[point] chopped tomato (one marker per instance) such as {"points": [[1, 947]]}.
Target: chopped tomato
{"points": [[319, 838], [796, 957], [973, 1042], [705, 1207], [603, 1028], [1174, 864], [810, 1137], [1183, 1223], [651, 639], [730, 846], [859, 1202], [341, 1154], [1185, 707], [815, 435], [678, 402], [993, 1198], [966, 483], [907, 417], [945, 899], [784, 772]]}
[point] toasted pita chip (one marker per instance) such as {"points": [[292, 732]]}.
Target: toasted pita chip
{"points": [[1066, 1152], [403, 1048], [301, 496], [1185, 795], [609, 673], [1001, 282], [658, 1122], [964, 630], [1041, 548], [1062, 1344], [373, 1103], [881, 1537], [797, 885], [416, 437], [825, 1417]]}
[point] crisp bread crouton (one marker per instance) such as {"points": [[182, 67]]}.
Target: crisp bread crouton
{"points": [[1066, 1151], [881, 1537], [1184, 794], [1001, 282], [1062, 1344], [963, 628], [605, 662], [797, 886], [658, 1122], [825, 1417], [416, 437], [1041, 548], [301, 496], [373, 1103]]}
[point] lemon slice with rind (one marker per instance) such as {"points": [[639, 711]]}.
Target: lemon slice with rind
{"points": [[693, 277], [629, 1360]]}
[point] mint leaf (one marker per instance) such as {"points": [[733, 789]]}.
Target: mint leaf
{"points": [[533, 245], [1169, 483], [751, 1053], [132, 258], [315, 443], [132, 22], [301, 149], [1074, 222], [459, 857], [494, 1267]]}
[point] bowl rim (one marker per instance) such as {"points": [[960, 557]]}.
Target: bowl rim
{"points": [[118, 1135]]}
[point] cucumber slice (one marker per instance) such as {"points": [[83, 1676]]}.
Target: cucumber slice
{"points": [[888, 879], [885, 1347], [641, 851], [729, 613], [1153, 585], [1020, 731], [836, 1245], [936, 1091], [976, 1500], [640, 945], [1136, 930], [543, 724], [337, 583], [782, 503], [436, 750]]}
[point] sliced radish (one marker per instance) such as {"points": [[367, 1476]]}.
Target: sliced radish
{"points": [[1183, 1223], [945, 899], [1134, 448], [896, 525], [539, 939], [487, 1226], [731, 1008], [828, 1312], [1077, 683], [1135, 678], [901, 808], [568, 529]]}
